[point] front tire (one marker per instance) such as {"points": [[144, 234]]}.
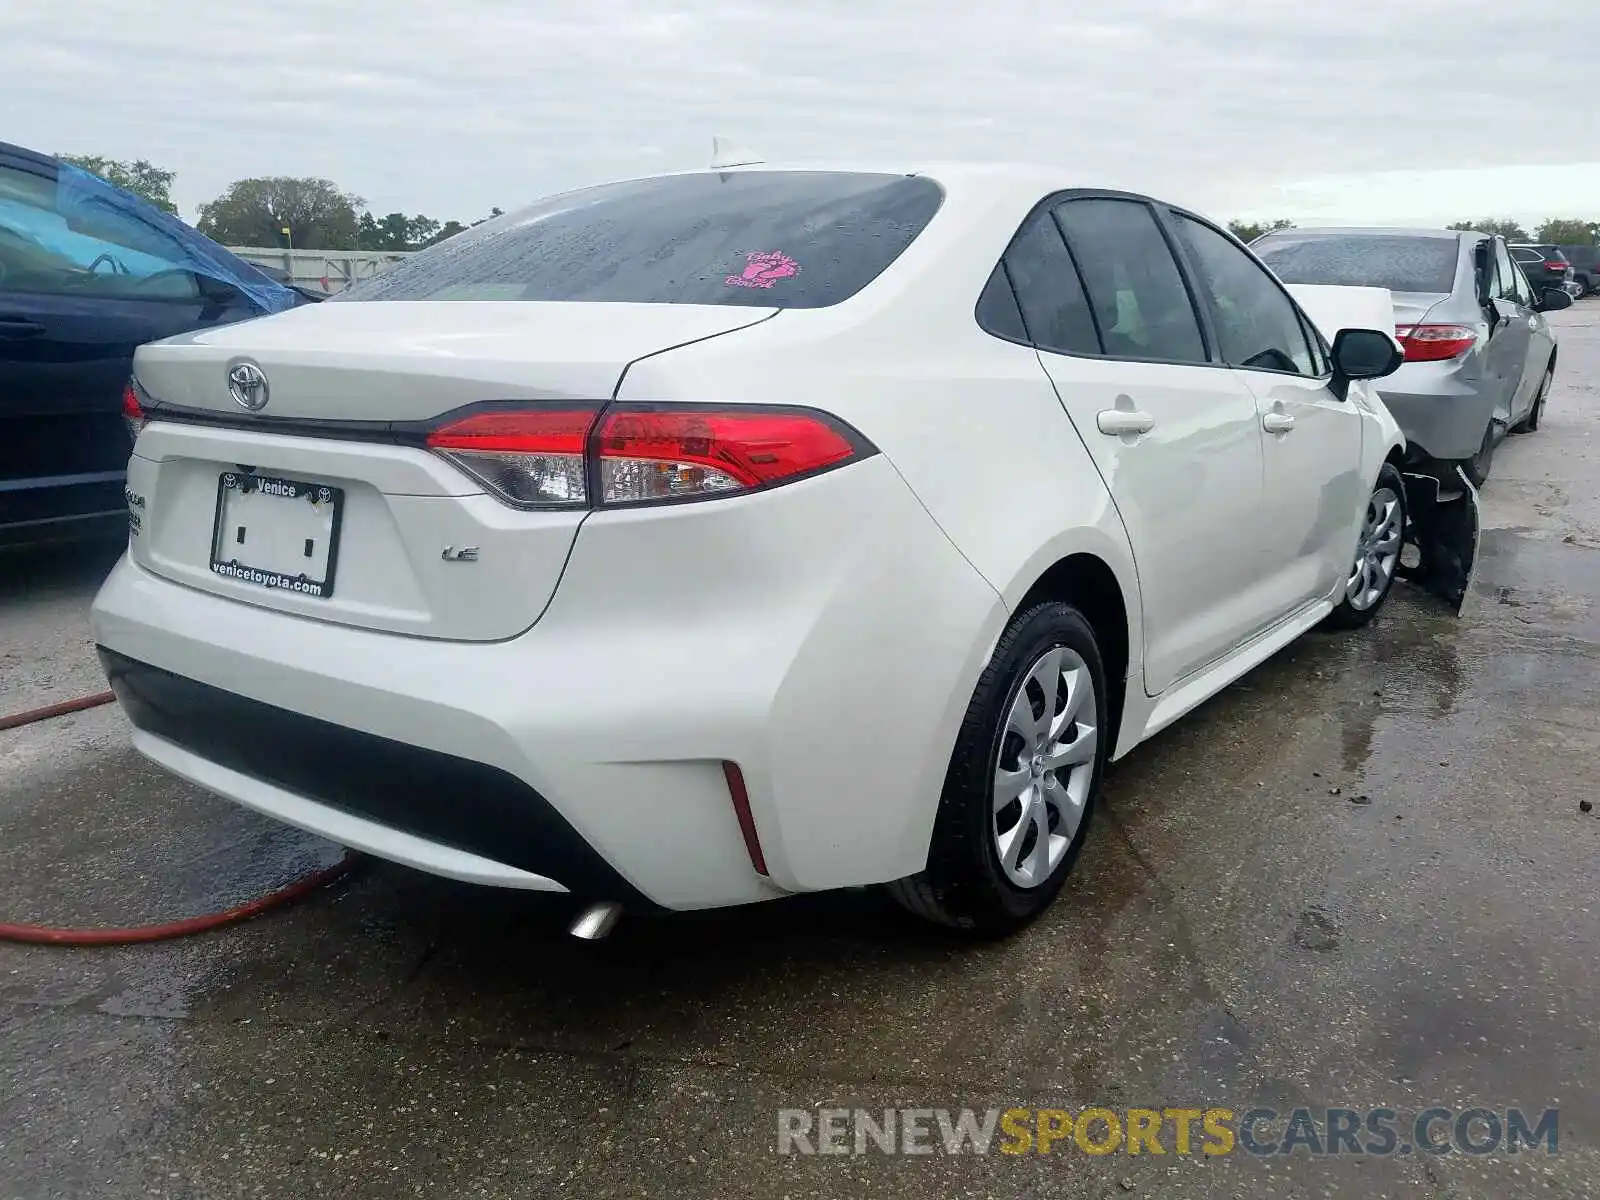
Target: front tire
{"points": [[1022, 781], [1377, 559]]}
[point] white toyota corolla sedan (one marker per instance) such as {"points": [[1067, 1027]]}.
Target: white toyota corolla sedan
{"points": [[703, 539]]}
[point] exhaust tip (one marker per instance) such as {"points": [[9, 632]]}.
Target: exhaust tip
{"points": [[596, 921]]}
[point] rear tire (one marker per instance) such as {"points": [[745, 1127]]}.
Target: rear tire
{"points": [[1022, 782], [1377, 558], [1477, 467]]}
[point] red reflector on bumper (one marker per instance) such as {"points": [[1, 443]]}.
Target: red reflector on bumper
{"points": [[741, 809]]}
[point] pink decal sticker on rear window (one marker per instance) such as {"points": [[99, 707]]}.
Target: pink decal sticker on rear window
{"points": [[763, 268]]}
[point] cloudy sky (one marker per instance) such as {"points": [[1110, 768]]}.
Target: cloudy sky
{"points": [[1315, 109]]}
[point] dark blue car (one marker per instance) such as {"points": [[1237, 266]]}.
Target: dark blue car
{"points": [[87, 273]]}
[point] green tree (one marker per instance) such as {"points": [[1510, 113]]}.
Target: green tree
{"points": [[1249, 231], [1504, 226], [394, 232], [398, 232], [448, 230], [141, 177], [255, 212], [493, 213], [420, 231], [1571, 231], [368, 235]]}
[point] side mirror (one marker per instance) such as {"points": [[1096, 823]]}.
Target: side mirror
{"points": [[218, 292], [1554, 300], [1365, 354]]}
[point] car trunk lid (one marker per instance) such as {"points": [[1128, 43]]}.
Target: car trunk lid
{"points": [[410, 361], [325, 503], [1413, 308]]}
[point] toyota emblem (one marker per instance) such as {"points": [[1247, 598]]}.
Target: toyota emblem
{"points": [[248, 386]]}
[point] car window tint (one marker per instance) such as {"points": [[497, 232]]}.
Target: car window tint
{"points": [[1138, 295], [1320, 365], [1506, 273], [1520, 280], [1257, 325], [50, 245], [1398, 262], [1524, 262], [764, 239], [1486, 265], [1048, 289], [997, 308]]}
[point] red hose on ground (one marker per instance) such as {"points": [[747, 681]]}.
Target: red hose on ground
{"points": [[44, 935], [47, 936], [31, 715]]}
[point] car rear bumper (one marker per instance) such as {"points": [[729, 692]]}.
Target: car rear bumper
{"points": [[587, 755], [371, 792], [1441, 409]]}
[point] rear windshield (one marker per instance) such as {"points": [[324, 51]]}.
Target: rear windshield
{"points": [[1396, 262], [777, 239]]}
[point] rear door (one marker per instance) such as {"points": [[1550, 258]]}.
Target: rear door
{"points": [[1506, 354], [1532, 340], [72, 309], [1175, 437], [1313, 487]]}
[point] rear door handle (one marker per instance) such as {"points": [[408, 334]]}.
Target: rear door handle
{"points": [[1118, 421], [1277, 422], [19, 327]]}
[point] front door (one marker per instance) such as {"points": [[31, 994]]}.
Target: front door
{"points": [[1313, 487]]}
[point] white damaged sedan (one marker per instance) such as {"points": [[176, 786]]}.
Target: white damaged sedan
{"points": [[708, 538]]}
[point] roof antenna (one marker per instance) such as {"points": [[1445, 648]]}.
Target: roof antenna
{"points": [[725, 154]]}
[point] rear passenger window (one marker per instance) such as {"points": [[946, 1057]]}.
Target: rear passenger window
{"points": [[1138, 296], [1049, 291], [1257, 326], [1509, 275], [997, 308]]}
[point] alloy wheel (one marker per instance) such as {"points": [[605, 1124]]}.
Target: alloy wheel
{"points": [[1377, 551], [1044, 766]]}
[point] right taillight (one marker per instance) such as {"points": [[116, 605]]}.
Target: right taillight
{"points": [[606, 456], [1435, 343], [674, 453]]}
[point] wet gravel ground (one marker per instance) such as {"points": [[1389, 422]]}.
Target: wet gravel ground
{"points": [[1358, 878]]}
